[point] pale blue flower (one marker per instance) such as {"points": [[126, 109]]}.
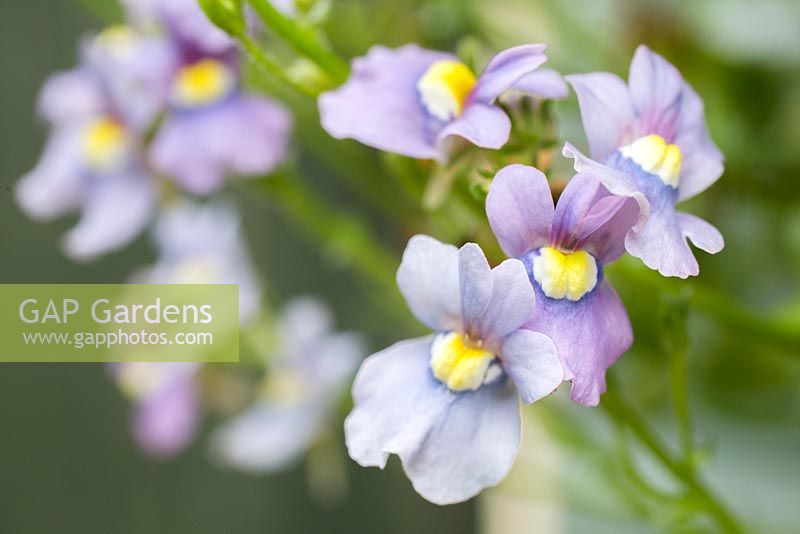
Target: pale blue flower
{"points": [[448, 404]]}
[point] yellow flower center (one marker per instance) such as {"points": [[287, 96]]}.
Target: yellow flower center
{"points": [[654, 155], [568, 275], [104, 144], [458, 364], [444, 88], [202, 83]]}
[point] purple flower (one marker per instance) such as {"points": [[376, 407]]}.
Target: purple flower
{"points": [[91, 163], [417, 102], [203, 244], [564, 250], [212, 129], [308, 374], [165, 397], [447, 404], [651, 141]]}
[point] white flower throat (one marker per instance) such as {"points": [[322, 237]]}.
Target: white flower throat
{"points": [[444, 88]]}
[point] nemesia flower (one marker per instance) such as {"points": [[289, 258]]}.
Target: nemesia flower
{"points": [[564, 250], [165, 397], [651, 142], [310, 371], [416, 102], [447, 404], [212, 129], [91, 163]]}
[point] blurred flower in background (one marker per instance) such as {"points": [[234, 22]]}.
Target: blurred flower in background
{"points": [[92, 162], [308, 372]]}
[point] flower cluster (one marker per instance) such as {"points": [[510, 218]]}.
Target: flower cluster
{"points": [[156, 101], [447, 404], [156, 114]]}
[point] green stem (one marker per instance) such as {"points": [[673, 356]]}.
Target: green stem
{"points": [[303, 39], [624, 414], [271, 66], [680, 398], [344, 235]]}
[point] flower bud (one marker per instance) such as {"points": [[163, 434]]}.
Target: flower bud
{"points": [[226, 14]]}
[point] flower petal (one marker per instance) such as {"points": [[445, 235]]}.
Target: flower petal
{"points": [[56, 185], [543, 83], [114, 212], [267, 438], [606, 111], [71, 95], [604, 228], [379, 105], [452, 445], [505, 69], [589, 335], [428, 279], [530, 359], [166, 422], [660, 242], [702, 234], [476, 285], [702, 162], [482, 125], [470, 448], [520, 209], [617, 182], [656, 92], [396, 400], [245, 136], [512, 303]]}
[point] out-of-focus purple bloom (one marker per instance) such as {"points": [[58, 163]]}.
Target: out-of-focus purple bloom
{"points": [[197, 245], [165, 398], [651, 142], [564, 250], [310, 371], [212, 129], [203, 244], [417, 102], [91, 162], [447, 404]]}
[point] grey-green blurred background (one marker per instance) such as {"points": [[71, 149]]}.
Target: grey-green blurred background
{"points": [[67, 463]]}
